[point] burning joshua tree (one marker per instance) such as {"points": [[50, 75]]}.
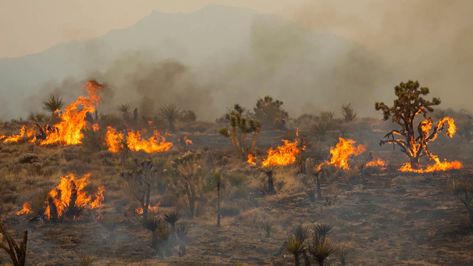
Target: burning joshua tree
{"points": [[409, 104]]}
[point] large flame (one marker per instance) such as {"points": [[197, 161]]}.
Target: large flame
{"points": [[283, 155], [73, 119], [135, 141], [438, 165], [71, 192], [342, 152]]}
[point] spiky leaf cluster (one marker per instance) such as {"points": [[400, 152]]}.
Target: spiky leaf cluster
{"points": [[270, 113]]}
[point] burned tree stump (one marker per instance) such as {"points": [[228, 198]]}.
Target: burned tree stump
{"points": [[270, 186]]}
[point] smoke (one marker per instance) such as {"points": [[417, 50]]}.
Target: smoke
{"points": [[327, 53], [425, 40]]}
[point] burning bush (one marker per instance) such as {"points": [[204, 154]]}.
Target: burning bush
{"points": [[409, 104], [68, 199]]}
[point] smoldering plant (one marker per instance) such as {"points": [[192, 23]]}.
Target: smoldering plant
{"points": [[15, 250], [242, 129], [140, 179]]}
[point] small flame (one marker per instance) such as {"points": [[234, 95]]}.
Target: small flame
{"points": [[342, 152], [283, 155], [251, 159], [151, 209], [70, 192], [24, 134], [376, 163], [95, 127], [438, 166], [26, 209], [188, 141]]}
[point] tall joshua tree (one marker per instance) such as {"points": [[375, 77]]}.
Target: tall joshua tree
{"points": [[171, 114], [53, 104], [410, 104], [241, 127], [270, 113]]}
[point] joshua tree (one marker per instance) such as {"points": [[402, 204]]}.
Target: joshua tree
{"points": [[53, 104], [16, 251], [160, 235], [241, 125], [269, 113], [349, 114], [410, 103], [125, 110], [189, 178], [171, 114], [463, 190]]}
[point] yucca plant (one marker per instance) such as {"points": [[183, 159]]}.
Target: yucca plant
{"points": [[53, 104], [320, 247], [171, 114], [16, 251]]}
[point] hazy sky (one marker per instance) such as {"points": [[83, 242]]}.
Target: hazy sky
{"points": [[30, 26]]}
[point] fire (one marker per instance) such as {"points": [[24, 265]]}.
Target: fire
{"points": [[26, 209], [73, 119], [95, 127], [342, 152], [24, 134], [282, 155], [151, 209], [69, 197], [376, 163], [438, 166], [155, 143], [188, 141], [135, 142], [251, 159], [114, 140]]}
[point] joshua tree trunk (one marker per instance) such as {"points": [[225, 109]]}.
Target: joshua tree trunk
{"points": [[306, 258], [53, 214], [218, 203], [317, 185], [297, 260], [415, 162], [145, 204], [271, 189]]}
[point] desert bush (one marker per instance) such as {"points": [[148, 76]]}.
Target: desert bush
{"points": [[320, 247], [270, 114], [189, 178], [348, 113], [242, 129], [324, 122]]}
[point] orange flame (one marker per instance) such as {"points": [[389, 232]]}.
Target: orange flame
{"points": [[376, 163], [71, 192], [135, 142], [73, 120], [251, 159], [282, 155], [24, 134], [155, 143], [26, 209], [114, 140], [438, 166], [151, 209], [342, 152], [188, 141]]}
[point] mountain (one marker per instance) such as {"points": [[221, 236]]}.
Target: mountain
{"points": [[236, 51]]}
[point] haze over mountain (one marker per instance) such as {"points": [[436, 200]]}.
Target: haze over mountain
{"points": [[205, 61]]}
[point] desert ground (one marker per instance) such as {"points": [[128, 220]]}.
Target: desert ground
{"points": [[378, 216]]}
